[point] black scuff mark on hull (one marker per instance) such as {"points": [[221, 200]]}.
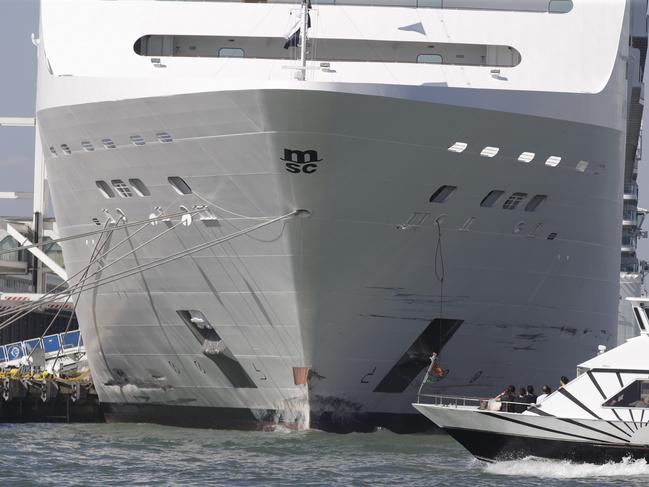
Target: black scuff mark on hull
{"points": [[388, 317]]}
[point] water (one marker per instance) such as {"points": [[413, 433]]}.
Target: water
{"points": [[154, 455]]}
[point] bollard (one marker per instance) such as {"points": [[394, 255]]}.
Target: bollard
{"points": [[49, 390], [79, 392], [13, 389]]}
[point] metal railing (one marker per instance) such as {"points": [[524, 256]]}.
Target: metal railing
{"points": [[476, 402]]}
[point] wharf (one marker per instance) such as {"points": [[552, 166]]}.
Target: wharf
{"points": [[45, 400]]}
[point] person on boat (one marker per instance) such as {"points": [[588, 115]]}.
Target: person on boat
{"points": [[507, 397], [530, 397], [521, 399], [563, 381], [544, 396]]}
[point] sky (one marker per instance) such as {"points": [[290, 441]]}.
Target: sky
{"points": [[18, 20]]}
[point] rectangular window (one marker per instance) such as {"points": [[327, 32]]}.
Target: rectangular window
{"points": [[179, 185], [230, 52], [491, 199], [513, 201], [430, 59], [122, 188], [442, 194], [635, 395], [535, 202]]}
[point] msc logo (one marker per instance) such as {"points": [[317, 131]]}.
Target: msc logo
{"points": [[301, 161]]}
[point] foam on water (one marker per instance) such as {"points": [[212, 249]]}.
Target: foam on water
{"points": [[557, 469]]}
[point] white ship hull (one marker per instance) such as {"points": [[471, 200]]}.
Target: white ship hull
{"points": [[353, 292]]}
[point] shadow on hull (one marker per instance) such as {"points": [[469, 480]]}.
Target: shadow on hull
{"points": [[262, 419]]}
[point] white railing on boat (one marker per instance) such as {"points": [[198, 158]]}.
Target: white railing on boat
{"points": [[467, 401]]}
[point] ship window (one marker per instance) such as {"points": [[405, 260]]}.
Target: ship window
{"points": [[513, 201], [164, 137], [640, 323], [96, 221], [489, 151], [108, 143], [214, 348], [527, 157], [491, 198], [535, 202], [430, 59], [104, 189], [66, 149], [429, 3], [553, 161], [635, 395], [137, 140], [139, 187], [458, 147], [230, 52], [53, 151], [582, 166], [179, 185], [442, 194], [560, 6], [552, 236], [87, 146], [122, 188]]}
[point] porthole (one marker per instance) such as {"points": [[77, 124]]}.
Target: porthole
{"points": [[164, 137], [137, 140], [489, 151], [179, 185], [442, 194], [139, 187], [535, 202], [526, 157], [491, 199], [105, 190], [122, 188], [108, 143], [458, 147], [553, 161]]}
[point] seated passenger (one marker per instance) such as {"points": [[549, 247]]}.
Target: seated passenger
{"points": [[544, 396], [530, 397]]}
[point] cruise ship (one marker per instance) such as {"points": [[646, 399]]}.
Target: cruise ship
{"points": [[289, 206]]}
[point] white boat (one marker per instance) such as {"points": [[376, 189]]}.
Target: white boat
{"points": [[600, 416], [460, 166]]}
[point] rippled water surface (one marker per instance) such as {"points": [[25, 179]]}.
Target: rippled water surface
{"points": [[155, 455]]}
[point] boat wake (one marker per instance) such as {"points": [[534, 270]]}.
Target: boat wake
{"points": [[557, 469]]}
